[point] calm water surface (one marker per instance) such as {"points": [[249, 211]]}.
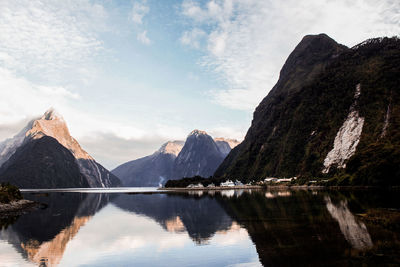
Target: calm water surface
{"points": [[227, 228]]}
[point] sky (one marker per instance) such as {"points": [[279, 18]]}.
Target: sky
{"points": [[128, 76]]}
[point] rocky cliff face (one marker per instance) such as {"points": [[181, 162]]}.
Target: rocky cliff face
{"points": [[199, 156], [334, 112], [53, 125]]}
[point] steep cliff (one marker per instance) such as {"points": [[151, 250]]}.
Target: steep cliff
{"points": [[334, 112]]}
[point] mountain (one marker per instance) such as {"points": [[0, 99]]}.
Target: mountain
{"points": [[46, 148], [199, 156], [334, 113], [152, 170], [43, 163], [225, 145]]}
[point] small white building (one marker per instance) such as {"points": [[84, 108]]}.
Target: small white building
{"points": [[228, 183], [284, 180], [199, 185]]}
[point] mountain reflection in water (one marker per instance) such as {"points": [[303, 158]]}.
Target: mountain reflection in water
{"points": [[200, 228]]}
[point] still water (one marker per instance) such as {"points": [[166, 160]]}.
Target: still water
{"points": [[227, 228]]}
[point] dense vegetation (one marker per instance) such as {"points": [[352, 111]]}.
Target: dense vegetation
{"points": [[294, 127], [184, 182], [9, 193]]}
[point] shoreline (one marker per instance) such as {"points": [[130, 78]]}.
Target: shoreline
{"points": [[212, 188], [281, 187]]}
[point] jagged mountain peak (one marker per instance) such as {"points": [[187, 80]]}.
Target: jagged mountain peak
{"points": [[52, 124], [312, 50], [171, 147]]}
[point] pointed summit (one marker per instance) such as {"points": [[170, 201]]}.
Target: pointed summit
{"points": [[52, 125], [309, 57], [199, 156]]}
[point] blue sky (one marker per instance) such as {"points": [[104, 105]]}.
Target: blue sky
{"points": [[130, 75]]}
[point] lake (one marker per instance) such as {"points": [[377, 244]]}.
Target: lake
{"points": [[124, 227]]}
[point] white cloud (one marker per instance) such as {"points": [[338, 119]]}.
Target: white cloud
{"points": [[139, 10], [20, 98], [248, 41], [228, 132], [193, 38], [45, 38], [142, 37], [212, 11]]}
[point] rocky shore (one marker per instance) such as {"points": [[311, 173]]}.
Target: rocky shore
{"points": [[19, 206]]}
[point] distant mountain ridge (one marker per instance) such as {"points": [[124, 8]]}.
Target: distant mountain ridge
{"points": [[52, 128], [150, 170], [200, 154], [334, 113], [225, 145]]}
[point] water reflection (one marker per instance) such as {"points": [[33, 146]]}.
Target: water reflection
{"points": [[51, 252], [215, 228], [201, 217], [353, 230], [42, 236]]}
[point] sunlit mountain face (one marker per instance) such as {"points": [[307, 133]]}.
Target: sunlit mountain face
{"points": [[270, 228], [44, 155]]}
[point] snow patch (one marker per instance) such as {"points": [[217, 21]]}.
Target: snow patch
{"points": [[347, 138]]}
